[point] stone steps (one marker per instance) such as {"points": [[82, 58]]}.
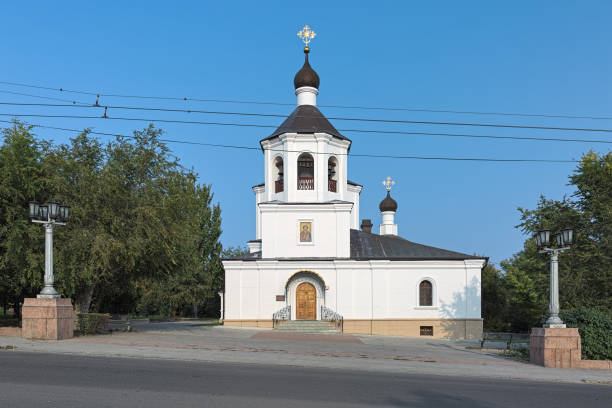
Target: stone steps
{"points": [[307, 326]]}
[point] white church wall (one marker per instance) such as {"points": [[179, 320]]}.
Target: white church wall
{"points": [[353, 192], [357, 289], [330, 233], [259, 197]]}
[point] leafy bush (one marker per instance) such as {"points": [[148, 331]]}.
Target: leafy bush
{"points": [[92, 323], [595, 327]]}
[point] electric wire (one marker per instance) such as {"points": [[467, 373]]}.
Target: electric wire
{"points": [[276, 115], [366, 131], [379, 108], [406, 157]]}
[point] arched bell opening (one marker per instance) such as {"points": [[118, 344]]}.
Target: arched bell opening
{"points": [[332, 174], [278, 175], [305, 172]]}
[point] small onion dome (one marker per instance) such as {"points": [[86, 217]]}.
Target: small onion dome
{"points": [[306, 76], [388, 204]]}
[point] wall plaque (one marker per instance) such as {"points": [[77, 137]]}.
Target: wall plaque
{"points": [[280, 298]]}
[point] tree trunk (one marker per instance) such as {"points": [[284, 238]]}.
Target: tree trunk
{"points": [[82, 299]]}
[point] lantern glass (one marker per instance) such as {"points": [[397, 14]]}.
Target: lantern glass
{"points": [[43, 212], [568, 236], [34, 206], [64, 213], [53, 209], [544, 238], [559, 238]]}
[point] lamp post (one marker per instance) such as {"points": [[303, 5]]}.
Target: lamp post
{"points": [[50, 215], [565, 238]]}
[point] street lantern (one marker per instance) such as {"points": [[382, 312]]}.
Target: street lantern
{"points": [[53, 209], [565, 238], [34, 209], [43, 213], [64, 213], [48, 215], [542, 239]]}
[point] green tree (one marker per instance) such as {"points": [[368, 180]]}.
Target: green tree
{"points": [[141, 224], [585, 271], [21, 243], [493, 299]]}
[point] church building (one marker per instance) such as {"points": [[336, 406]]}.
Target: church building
{"points": [[313, 260]]}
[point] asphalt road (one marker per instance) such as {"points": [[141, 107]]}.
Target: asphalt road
{"points": [[51, 380]]}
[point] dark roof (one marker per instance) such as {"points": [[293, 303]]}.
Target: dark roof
{"points": [[367, 246], [388, 204], [259, 185], [306, 76], [353, 183], [306, 119]]}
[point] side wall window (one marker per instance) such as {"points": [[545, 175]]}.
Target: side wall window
{"points": [[425, 293]]}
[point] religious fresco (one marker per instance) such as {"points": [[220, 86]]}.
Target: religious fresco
{"points": [[305, 231]]}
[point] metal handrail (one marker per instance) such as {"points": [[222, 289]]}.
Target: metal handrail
{"points": [[282, 314], [335, 318]]}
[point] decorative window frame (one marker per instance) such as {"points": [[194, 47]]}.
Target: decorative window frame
{"points": [[312, 232], [434, 294]]}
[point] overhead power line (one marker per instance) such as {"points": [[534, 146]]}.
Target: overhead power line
{"points": [[277, 115], [251, 102], [406, 157], [366, 131]]}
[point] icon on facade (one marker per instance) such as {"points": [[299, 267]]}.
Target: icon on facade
{"points": [[305, 231]]}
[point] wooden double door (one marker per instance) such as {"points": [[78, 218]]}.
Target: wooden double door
{"points": [[306, 302]]}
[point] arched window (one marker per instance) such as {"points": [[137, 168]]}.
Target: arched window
{"points": [[332, 175], [305, 172], [278, 175], [425, 293]]}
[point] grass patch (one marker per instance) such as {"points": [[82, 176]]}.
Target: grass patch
{"points": [[9, 321], [520, 354], [506, 340], [205, 324]]}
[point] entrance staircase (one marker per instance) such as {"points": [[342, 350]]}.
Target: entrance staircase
{"points": [[307, 326]]}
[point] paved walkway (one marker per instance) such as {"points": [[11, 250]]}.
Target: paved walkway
{"points": [[189, 342]]}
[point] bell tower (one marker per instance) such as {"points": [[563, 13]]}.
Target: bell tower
{"points": [[306, 157], [305, 166]]}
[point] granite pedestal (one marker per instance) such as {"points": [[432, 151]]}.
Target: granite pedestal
{"points": [[47, 319], [555, 347]]}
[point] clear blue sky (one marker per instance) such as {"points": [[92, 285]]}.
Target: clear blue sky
{"points": [[520, 56]]}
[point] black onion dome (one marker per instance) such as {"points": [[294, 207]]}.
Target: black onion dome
{"points": [[306, 76], [388, 204]]}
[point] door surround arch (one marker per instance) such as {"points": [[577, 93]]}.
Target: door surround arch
{"points": [[305, 277]]}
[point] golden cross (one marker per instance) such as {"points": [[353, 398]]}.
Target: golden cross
{"points": [[388, 183], [306, 34]]}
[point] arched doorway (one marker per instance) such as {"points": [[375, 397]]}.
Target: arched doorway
{"points": [[305, 302]]}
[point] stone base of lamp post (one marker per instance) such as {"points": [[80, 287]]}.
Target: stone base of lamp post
{"points": [[47, 319], [555, 347]]}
